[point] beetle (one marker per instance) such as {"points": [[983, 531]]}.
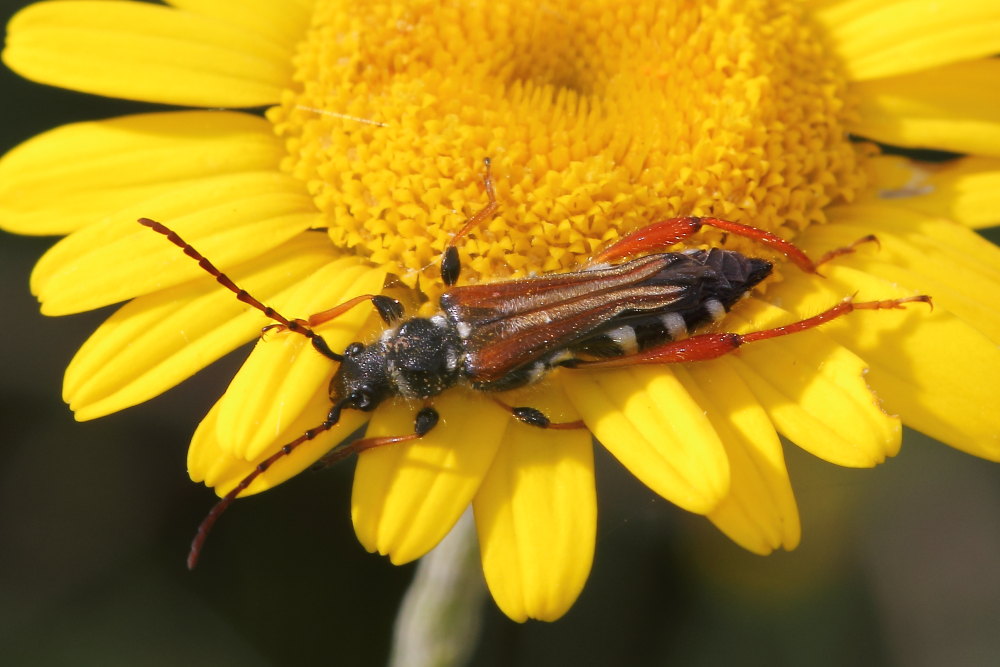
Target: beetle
{"points": [[499, 336]]}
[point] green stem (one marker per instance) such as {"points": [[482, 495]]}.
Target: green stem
{"points": [[439, 618]]}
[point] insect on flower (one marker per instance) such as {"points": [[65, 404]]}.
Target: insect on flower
{"points": [[633, 304]]}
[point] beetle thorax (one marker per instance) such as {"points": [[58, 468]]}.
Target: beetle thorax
{"points": [[420, 358]]}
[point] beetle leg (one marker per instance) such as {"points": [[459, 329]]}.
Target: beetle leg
{"points": [[665, 233], [451, 266], [713, 345], [389, 309], [535, 417], [426, 419]]}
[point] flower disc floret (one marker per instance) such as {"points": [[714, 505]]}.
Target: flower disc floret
{"points": [[612, 116]]}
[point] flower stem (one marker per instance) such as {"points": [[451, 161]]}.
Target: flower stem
{"points": [[439, 618]]}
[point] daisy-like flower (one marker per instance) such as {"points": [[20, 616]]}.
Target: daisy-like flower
{"points": [[600, 117]]}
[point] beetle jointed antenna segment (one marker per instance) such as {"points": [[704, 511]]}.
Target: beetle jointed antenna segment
{"points": [[332, 418], [388, 308]]}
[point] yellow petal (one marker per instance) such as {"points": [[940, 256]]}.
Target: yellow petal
{"points": [[966, 190], [954, 107], [140, 51], [216, 465], [941, 240], [759, 513], [156, 341], [205, 458], [908, 259], [646, 419], [938, 373], [76, 174], [229, 218], [813, 389], [283, 23], [877, 38], [536, 515], [408, 496], [895, 177], [284, 372]]}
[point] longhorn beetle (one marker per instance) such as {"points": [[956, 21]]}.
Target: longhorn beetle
{"points": [[499, 336]]}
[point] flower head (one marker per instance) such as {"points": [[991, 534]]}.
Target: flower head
{"points": [[599, 118]]}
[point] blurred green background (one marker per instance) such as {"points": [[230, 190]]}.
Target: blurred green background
{"points": [[898, 565]]}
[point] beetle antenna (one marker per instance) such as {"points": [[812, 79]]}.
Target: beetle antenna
{"points": [[213, 514], [298, 326]]}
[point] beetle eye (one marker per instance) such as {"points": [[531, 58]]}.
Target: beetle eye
{"points": [[354, 349]]}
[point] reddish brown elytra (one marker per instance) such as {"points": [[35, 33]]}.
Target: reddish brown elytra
{"points": [[495, 337]]}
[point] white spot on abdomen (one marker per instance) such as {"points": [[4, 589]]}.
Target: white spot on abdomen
{"points": [[624, 338], [675, 325], [715, 309]]}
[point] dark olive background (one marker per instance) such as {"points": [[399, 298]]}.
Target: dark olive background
{"points": [[898, 565]]}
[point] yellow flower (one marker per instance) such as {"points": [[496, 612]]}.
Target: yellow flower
{"points": [[599, 117]]}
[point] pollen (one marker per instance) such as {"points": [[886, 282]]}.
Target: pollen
{"points": [[599, 117]]}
